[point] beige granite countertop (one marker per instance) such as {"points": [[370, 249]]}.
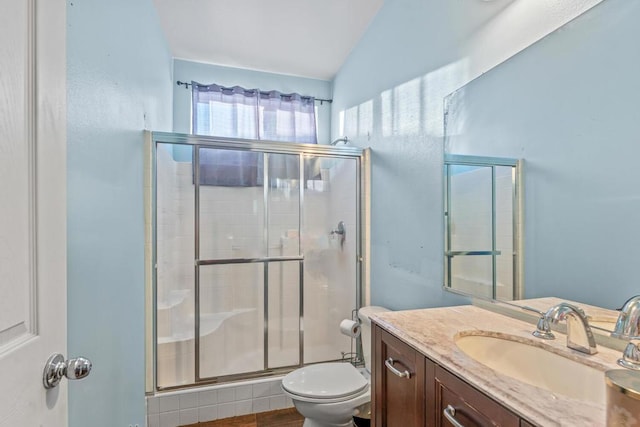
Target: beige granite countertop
{"points": [[432, 332]]}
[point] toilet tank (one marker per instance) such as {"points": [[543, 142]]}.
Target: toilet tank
{"points": [[363, 314]]}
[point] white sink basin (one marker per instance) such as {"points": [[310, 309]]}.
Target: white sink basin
{"points": [[529, 363]]}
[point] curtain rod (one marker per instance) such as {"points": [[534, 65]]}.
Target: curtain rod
{"points": [[320, 100]]}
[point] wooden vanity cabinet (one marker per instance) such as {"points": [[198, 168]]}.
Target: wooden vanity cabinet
{"points": [[472, 408], [420, 398], [398, 399]]}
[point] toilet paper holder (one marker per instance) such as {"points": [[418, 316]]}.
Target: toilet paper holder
{"points": [[353, 356]]}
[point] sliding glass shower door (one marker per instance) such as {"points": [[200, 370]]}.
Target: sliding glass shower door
{"points": [[247, 261], [275, 260]]}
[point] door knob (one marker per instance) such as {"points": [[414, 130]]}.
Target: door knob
{"points": [[56, 368]]}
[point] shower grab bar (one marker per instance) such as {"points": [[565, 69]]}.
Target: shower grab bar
{"points": [[456, 253], [248, 260]]}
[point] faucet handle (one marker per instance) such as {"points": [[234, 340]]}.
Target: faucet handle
{"points": [[630, 357], [543, 329]]}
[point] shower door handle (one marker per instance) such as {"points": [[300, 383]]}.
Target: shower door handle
{"points": [[340, 231]]}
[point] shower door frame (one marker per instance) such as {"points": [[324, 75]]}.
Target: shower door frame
{"points": [[303, 151]]}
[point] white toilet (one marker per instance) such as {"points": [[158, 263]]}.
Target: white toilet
{"points": [[329, 394]]}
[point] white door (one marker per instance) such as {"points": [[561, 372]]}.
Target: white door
{"points": [[32, 209]]}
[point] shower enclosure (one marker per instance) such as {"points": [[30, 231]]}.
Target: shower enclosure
{"points": [[257, 256]]}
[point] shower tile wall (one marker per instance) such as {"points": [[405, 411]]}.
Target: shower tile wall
{"points": [[231, 298], [212, 403]]}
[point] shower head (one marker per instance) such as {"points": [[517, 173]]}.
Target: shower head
{"points": [[343, 139]]}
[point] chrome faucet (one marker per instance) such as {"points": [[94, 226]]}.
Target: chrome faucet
{"points": [[628, 327], [579, 335]]}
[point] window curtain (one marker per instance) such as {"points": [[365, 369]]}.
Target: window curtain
{"points": [[249, 114], [288, 118], [230, 113]]}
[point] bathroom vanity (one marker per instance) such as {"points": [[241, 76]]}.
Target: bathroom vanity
{"points": [[422, 377], [422, 398]]}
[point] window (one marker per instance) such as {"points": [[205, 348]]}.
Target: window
{"points": [[247, 114], [251, 114]]}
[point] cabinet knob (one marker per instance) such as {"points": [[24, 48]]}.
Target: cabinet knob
{"points": [[389, 364]]}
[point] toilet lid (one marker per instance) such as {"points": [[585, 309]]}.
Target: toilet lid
{"points": [[325, 380]]}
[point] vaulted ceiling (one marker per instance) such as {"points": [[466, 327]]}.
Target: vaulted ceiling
{"points": [[309, 38]]}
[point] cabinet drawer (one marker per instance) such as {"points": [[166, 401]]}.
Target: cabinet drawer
{"points": [[399, 380], [472, 408]]}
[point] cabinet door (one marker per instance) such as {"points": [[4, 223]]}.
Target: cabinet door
{"points": [[398, 382], [467, 405]]}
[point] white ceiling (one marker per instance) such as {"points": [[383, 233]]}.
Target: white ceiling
{"points": [[309, 38]]}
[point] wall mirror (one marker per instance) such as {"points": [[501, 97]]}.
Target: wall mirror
{"points": [[568, 106]]}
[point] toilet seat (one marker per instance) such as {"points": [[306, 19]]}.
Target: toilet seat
{"points": [[325, 383], [328, 400]]}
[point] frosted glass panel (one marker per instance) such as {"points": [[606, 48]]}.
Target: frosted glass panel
{"points": [[284, 314], [284, 205], [175, 273], [231, 319], [231, 205], [329, 269]]}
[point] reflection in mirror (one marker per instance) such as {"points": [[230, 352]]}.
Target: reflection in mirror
{"points": [[601, 320], [567, 105], [481, 202]]}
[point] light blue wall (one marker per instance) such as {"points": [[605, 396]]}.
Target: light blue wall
{"points": [[568, 105], [388, 96], [187, 71], [119, 83]]}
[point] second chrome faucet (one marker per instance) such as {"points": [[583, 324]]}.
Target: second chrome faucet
{"points": [[579, 334], [628, 327]]}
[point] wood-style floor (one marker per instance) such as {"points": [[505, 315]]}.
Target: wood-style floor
{"points": [[282, 418]]}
